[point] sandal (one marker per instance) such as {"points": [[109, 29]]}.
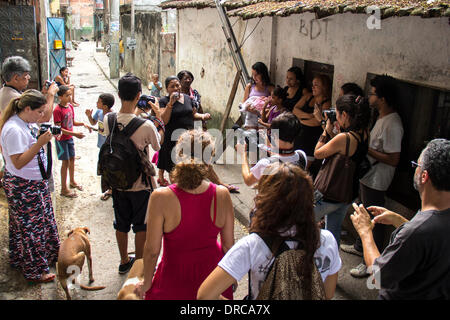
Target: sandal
{"points": [[233, 189], [69, 195], [105, 196], [49, 277], [163, 183], [77, 186]]}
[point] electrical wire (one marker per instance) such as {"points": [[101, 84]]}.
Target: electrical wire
{"points": [[250, 33]]}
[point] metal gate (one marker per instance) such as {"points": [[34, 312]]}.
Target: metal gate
{"points": [[18, 37], [56, 45]]}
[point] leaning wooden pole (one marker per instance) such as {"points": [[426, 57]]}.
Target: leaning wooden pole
{"points": [[230, 101]]}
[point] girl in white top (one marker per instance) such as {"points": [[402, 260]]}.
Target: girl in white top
{"points": [[284, 209]]}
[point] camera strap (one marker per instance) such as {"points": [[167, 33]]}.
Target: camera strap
{"points": [[45, 173]]}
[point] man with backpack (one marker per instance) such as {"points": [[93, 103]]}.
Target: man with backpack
{"points": [[125, 168]]}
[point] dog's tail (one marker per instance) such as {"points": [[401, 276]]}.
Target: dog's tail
{"points": [[82, 286]]}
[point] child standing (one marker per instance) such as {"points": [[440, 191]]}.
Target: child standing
{"points": [[155, 86], [104, 104], [273, 107], [63, 116]]}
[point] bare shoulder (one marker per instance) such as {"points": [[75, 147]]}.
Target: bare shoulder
{"points": [[162, 194], [222, 193]]}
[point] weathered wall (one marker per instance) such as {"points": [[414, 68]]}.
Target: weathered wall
{"points": [[147, 33], [409, 48], [202, 46]]}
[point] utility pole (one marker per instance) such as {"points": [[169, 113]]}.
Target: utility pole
{"points": [[132, 36], [106, 18], [114, 40]]}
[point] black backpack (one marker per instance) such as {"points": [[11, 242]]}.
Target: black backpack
{"points": [[120, 163]]}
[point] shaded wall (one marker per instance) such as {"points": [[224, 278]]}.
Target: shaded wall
{"points": [[147, 33]]}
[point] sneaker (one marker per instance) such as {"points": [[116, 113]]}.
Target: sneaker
{"points": [[349, 248], [124, 268], [359, 271]]}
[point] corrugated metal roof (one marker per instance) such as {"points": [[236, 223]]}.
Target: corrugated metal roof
{"points": [[248, 9]]}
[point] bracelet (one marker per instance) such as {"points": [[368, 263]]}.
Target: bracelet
{"points": [[323, 139]]}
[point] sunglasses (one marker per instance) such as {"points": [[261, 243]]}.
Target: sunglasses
{"points": [[415, 164]]}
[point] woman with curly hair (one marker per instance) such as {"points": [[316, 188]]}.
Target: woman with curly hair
{"points": [[188, 215], [283, 212]]}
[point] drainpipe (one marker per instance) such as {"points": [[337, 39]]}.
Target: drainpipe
{"points": [[114, 28], [132, 36]]}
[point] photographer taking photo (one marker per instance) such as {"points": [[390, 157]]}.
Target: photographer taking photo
{"points": [[343, 153], [34, 241]]}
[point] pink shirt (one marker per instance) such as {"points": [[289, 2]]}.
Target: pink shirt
{"points": [[64, 115]]}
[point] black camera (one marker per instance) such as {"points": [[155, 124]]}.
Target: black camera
{"points": [[143, 102], [48, 83], [55, 130], [331, 114]]}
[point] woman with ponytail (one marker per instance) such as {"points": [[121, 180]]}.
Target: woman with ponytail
{"points": [[188, 215], [348, 133], [33, 234]]}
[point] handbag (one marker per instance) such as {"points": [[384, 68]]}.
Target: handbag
{"points": [[335, 178]]}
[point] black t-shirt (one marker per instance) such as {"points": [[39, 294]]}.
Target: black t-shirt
{"points": [[181, 116], [289, 103], [416, 264]]}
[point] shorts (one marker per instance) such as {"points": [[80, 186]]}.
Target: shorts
{"points": [[65, 149], [130, 208]]}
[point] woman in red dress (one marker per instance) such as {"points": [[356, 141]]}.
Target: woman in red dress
{"points": [[188, 215]]}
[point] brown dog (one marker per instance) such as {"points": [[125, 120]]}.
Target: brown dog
{"points": [[72, 253], [135, 275]]}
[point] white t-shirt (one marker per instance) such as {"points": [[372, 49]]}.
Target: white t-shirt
{"points": [[16, 138], [386, 136], [251, 253], [258, 169]]}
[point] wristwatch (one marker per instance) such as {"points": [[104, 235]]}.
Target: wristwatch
{"points": [[323, 123]]}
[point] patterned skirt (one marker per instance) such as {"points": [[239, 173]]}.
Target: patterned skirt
{"points": [[33, 234]]}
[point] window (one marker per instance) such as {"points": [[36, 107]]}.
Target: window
{"points": [[312, 68]]}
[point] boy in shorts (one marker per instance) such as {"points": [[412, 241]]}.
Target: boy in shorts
{"points": [[105, 103], [63, 115]]}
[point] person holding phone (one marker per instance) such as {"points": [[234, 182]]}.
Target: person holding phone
{"points": [[415, 265], [177, 112], [33, 233]]}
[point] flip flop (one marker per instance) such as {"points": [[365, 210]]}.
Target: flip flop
{"points": [[69, 195], [105, 196], [77, 186], [233, 189], [50, 278], [163, 183]]}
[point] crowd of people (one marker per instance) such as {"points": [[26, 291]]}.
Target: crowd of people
{"points": [[321, 160]]}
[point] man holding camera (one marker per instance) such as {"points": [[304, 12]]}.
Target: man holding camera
{"points": [[384, 154], [415, 265], [16, 74]]}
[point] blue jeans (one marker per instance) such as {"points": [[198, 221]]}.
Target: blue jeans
{"points": [[334, 216]]}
